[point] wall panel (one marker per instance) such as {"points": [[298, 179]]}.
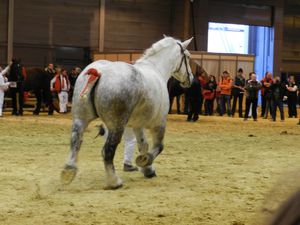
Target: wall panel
{"points": [[3, 30], [136, 24]]}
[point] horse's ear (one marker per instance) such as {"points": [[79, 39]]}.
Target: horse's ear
{"points": [[164, 35], [187, 42]]}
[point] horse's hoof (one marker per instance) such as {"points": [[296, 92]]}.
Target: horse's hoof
{"points": [[114, 185], [148, 172], [68, 174], [144, 160], [150, 175]]}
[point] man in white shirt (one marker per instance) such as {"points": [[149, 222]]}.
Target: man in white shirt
{"points": [[61, 84], [3, 85]]}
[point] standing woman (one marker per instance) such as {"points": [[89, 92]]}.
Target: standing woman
{"points": [[267, 104], [292, 97], [209, 94], [3, 86], [61, 84]]}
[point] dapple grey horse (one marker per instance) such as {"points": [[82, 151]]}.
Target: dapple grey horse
{"points": [[128, 95]]}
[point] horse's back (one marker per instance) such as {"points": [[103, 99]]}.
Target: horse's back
{"points": [[124, 93]]}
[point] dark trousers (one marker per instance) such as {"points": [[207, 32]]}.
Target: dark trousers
{"points": [[14, 91], [200, 105], [47, 97], [252, 101], [186, 104], [240, 98], [263, 105], [279, 104], [268, 107], [225, 99], [193, 113], [177, 103], [209, 106], [292, 105]]}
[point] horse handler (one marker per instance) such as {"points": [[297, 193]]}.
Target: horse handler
{"points": [[61, 84], [3, 85]]}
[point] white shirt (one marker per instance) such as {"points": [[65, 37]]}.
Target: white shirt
{"points": [[3, 83]]}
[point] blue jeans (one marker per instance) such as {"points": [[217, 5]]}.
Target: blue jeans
{"points": [[225, 99]]}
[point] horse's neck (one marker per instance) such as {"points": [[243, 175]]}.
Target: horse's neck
{"points": [[162, 64]]}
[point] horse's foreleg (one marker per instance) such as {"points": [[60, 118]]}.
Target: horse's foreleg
{"points": [[70, 168], [145, 160], [108, 153]]}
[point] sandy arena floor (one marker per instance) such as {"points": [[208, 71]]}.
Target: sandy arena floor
{"points": [[213, 172]]}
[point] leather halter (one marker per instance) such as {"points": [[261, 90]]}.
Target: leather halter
{"points": [[183, 59]]}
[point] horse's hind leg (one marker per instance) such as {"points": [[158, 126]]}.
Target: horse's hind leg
{"points": [[145, 160], [70, 169], [143, 145], [108, 153]]}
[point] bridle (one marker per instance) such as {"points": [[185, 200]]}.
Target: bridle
{"points": [[183, 59]]}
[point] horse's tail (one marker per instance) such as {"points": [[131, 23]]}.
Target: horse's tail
{"points": [[94, 77]]}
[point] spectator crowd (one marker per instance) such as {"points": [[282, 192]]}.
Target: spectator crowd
{"points": [[207, 95], [58, 80], [240, 94]]}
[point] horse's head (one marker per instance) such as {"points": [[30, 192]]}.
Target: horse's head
{"points": [[15, 73], [183, 72]]}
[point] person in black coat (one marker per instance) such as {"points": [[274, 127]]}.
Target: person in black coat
{"points": [[194, 98], [175, 91], [278, 91], [49, 73], [238, 92], [252, 87], [16, 75]]}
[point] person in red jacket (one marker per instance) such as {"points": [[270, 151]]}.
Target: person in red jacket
{"points": [[61, 84], [225, 85], [266, 95], [209, 94]]}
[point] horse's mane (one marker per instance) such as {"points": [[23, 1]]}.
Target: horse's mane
{"points": [[158, 46]]}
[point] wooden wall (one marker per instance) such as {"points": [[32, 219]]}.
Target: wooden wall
{"points": [[213, 63], [136, 24], [291, 37], [3, 31], [43, 29]]}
